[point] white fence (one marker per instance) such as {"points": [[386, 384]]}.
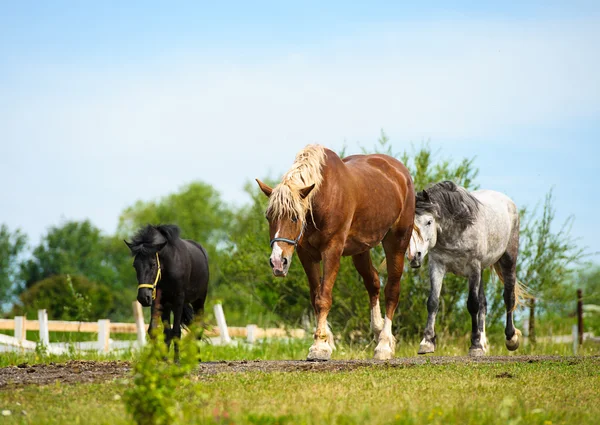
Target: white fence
{"points": [[220, 334]]}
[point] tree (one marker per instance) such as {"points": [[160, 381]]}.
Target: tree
{"points": [[76, 248], [196, 208], [547, 259], [66, 298], [12, 245]]}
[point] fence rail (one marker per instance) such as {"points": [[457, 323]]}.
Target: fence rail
{"points": [[104, 328]]}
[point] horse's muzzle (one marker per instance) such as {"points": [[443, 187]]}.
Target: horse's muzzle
{"points": [[145, 297], [415, 263]]}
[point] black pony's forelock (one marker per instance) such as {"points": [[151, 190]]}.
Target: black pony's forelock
{"points": [[448, 201], [147, 238]]}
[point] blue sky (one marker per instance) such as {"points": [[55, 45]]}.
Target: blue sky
{"points": [[102, 104]]}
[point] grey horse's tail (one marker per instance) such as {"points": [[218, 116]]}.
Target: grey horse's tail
{"points": [[521, 290]]}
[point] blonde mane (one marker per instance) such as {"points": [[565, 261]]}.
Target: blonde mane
{"points": [[285, 201]]}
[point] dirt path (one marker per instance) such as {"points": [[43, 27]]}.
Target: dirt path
{"points": [[92, 371]]}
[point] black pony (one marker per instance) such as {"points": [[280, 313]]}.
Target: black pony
{"points": [[172, 276]]}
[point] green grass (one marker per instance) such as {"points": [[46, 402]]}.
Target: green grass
{"points": [[297, 350], [545, 393]]}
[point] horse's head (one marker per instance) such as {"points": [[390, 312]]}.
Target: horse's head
{"points": [[424, 236], [147, 268], [286, 228]]}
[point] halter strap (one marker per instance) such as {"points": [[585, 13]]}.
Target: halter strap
{"points": [[153, 286], [290, 241]]}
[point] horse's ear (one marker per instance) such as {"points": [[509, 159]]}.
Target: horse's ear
{"points": [[130, 246], [159, 246], [304, 192], [265, 189], [426, 196]]}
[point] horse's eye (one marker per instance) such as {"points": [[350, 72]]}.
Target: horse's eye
{"points": [[294, 219], [429, 222]]}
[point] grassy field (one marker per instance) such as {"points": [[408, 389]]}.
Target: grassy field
{"points": [[560, 392]]}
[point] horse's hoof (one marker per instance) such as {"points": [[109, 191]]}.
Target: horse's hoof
{"points": [[513, 343], [426, 347], [319, 352], [476, 352], [383, 353]]}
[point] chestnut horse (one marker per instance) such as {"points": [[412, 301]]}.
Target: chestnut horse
{"points": [[325, 208]]}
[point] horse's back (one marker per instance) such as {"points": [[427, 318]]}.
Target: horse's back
{"points": [[500, 219], [375, 192]]}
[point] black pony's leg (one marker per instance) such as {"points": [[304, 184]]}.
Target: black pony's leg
{"points": [[166, 321], [155, 311], [176, 331], [474, 306]]}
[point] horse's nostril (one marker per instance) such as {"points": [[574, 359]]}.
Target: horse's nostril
{"points": [[271, 263], [285, 261]]}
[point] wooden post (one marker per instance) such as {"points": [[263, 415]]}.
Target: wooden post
{"points": [[580, 315], [21, 328], [574, 332], [532, 321], [44, 333], [138, 314], [251, 331], [104, 335], [220, 316]]}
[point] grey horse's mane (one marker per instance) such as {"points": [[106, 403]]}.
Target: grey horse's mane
{"points": [[448, 201]]}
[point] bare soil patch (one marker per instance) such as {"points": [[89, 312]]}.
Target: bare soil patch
{"points": [[98, 371]]}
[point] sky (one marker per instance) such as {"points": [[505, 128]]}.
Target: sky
{"points": [[103, 104]]}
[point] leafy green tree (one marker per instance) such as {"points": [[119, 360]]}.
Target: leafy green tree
{"points": [[196, 208], [548, 259], [66, 298], [76, 248], [12, 245]]}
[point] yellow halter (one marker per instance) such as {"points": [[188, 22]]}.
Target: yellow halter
{"points": [[153, 286]]}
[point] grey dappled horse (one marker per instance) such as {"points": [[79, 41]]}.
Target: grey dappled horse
{"points": [[466, 232]]}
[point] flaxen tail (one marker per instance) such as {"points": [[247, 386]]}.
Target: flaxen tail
{"points": [[521, 290]]}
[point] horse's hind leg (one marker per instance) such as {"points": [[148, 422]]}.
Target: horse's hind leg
{"points": [[365, 268], [482, 314], [507, 265]]}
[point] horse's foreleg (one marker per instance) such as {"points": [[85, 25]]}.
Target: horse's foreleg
{"points": [[364, 266], [474, 306], [321, 349], [155, 312], [436, 277], [166, 321], [176, 331]]}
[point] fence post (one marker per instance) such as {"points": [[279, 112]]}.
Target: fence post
{"points": [[103, 335], [21, 328], [44, 333], [220, 316], [532, 321], [580, 315], [574, 330], [251, 330], [138, 314]]}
